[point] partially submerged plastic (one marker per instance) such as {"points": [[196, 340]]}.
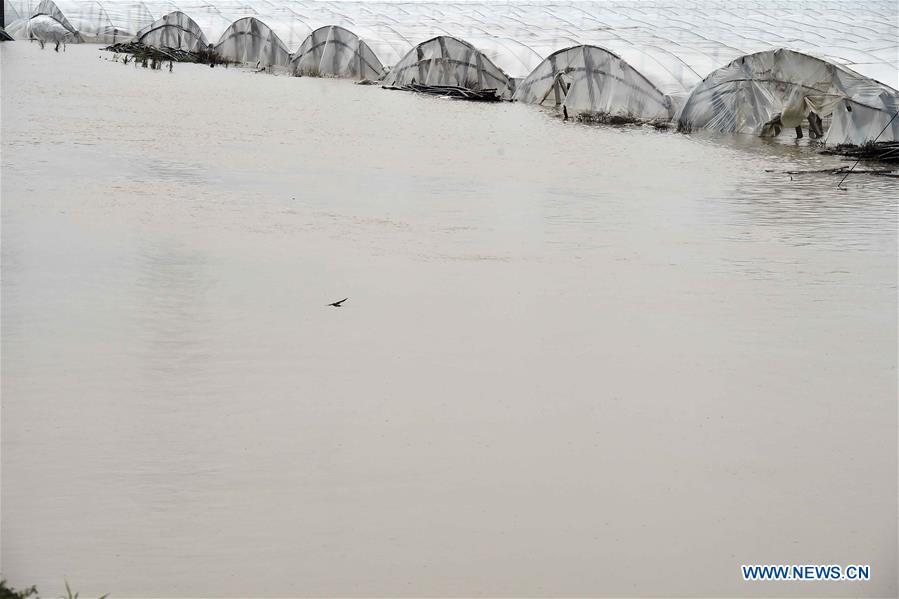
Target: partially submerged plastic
{"points": [[44, 28], [174, 30], [450, 61], [768, 91], [46, 23], [336, 52], [593, 81], [104, 23], [673, 48], [250, 41]]}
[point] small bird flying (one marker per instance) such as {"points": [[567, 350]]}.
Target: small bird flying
{"points": [[338, 304]]}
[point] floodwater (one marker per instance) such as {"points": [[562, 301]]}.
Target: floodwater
{"points": [[574, 360]]}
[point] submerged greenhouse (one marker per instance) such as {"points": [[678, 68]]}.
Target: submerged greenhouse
{"points": [[450, 61], [588, 80], [336, 52], [47, 23], [90, 22], [174, 30], [250, 41], [708, 65], [780, 90]]}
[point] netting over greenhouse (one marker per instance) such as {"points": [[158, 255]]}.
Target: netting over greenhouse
{"points": [[250, 41], [450, 61], [336, 52], [592, 81], [174, 30], [781, 90]]}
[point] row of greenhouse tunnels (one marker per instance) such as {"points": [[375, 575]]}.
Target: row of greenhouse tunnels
{"points": [[763, 93]]}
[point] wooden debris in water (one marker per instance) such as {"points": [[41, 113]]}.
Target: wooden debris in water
{"points": [[882, 172], [883, 151], [145, 54], [450, 91], [605, 118]]}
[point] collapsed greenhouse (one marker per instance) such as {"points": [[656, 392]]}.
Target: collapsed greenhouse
{"points": [[708, 66], [46, 23], [771, 91]]}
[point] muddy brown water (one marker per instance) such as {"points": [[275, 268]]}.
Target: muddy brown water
{"points": [[574, 360]]}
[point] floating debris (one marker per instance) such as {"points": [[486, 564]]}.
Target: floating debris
{"points": [[605, 118], [146, 54], [882, 151], [450, 91], [306, 72], [882, 172]]}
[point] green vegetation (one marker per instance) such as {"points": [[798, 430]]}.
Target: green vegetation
{"points": [[70, 595], [307, 72], [7, 592]]}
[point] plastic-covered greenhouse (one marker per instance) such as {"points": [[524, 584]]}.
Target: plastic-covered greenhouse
{"points": [[174, 30], [249, 40], [767, 92], [100, 22], [336, 52], [449, 61], [592, 80], [47, 23], [615, 56]]}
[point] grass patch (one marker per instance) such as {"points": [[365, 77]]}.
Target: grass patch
{"points": [[8, 592]]}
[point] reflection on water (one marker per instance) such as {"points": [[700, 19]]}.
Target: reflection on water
{"points": [[575, 360]]}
